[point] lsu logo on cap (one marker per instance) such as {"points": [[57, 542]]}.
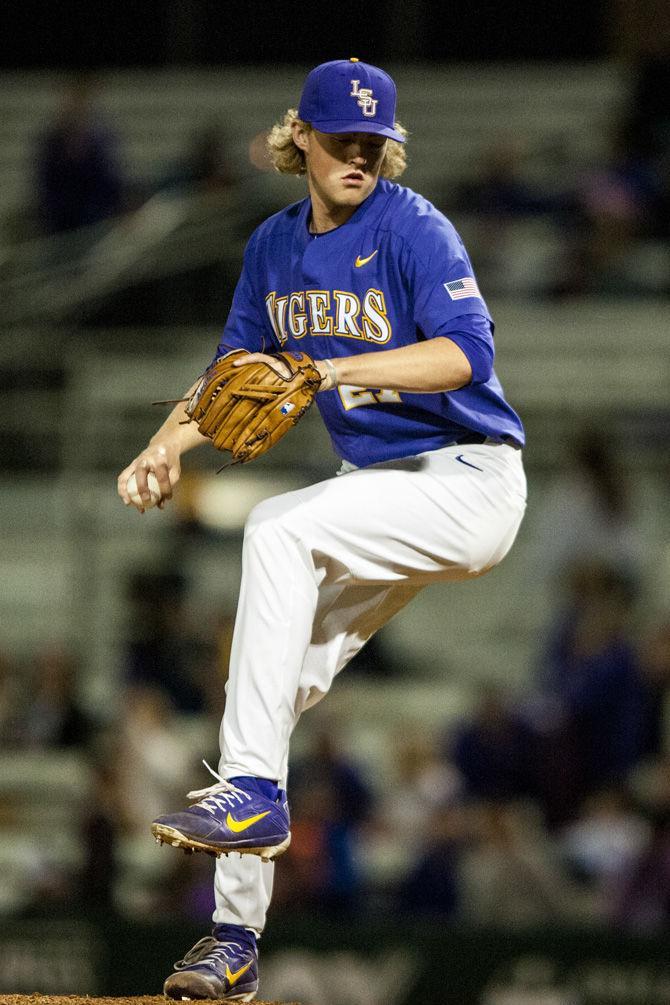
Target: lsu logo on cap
{"points": [[365, 99]]}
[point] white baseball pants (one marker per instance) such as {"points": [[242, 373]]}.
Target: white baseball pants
{"points": [[324, 568]]}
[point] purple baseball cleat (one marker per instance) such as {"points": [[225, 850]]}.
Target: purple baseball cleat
{"points": [[230, 817], [222, 966]]}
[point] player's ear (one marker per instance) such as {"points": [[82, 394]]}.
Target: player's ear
{"points": [[300, 135]]}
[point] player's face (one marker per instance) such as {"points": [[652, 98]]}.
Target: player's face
{"points": [[343, 168]]}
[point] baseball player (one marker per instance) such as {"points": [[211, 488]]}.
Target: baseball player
{"points": [[375, 284]]}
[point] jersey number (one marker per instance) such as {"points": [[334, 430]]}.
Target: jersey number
{"points": [[354, 397]]}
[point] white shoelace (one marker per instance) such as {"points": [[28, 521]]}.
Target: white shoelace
{"points": [[209, 946], [220, 796]]}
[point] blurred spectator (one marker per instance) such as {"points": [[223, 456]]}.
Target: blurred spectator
{"points": [[649, 110], [602, 698], [205, 166], [52, 890], [162, 652], [325, 765], [421, 783], [154, 758], [424, 782], [650, 778], [101, 827], [650, 785], [511, 873], [494, 750], [498, 187], [431, 888], [79, 180], [617, 202], [330, 803], [511, 220], [588, 513], [320, 871], [10, 702], [649, 123], [187, 891], [53, 716], [640, 898], [655, 668], [606, 840]]}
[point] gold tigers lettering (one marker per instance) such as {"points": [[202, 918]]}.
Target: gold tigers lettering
{"points": [[326, 312]]}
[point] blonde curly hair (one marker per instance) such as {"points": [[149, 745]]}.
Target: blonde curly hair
{"points": [[287, 158]]}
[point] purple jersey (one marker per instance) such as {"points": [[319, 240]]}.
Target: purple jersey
{"points": [[394, 274]]}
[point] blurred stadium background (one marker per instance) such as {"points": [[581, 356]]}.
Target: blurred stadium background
{"points": [[507, 740]]}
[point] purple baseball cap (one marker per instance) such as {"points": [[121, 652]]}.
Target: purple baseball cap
{"points": [[347, 96]]}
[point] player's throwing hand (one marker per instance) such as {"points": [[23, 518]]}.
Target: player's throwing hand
{"points": [[164, 462]]}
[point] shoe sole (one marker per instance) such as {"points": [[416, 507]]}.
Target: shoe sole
{"points": [[173, 837], [192, 987]]}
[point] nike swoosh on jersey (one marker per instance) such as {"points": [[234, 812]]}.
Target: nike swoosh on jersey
{"points": [[234, 978], [364, 261], [459, 457], [237, 826]]}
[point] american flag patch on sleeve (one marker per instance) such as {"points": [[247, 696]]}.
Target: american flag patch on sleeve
{"points": [[458, 289]]}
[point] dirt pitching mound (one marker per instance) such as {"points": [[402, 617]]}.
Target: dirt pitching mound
{"points": [[37, 999]]}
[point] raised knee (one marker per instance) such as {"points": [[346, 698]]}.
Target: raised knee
{"points": [[271, 515], [259, 515]]}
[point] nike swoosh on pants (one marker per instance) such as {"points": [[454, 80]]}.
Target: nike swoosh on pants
{"points": [[462, 460]]}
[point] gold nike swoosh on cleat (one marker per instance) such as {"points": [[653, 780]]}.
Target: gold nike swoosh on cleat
{"points": [[237, 826], [234, 978], [364, 261]]}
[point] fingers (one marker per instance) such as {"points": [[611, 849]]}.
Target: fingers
{"points": [[121, 485], [282, 367], [253, 357], [162, 472], [142, 479], [156, 462], [262, 357]]}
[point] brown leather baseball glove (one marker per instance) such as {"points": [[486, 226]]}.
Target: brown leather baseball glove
{"points": [[247, 409]]}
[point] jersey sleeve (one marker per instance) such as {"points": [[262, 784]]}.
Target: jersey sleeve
{"points": [[248, 326], [440, 274], [473, 334], [445, 295]]}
